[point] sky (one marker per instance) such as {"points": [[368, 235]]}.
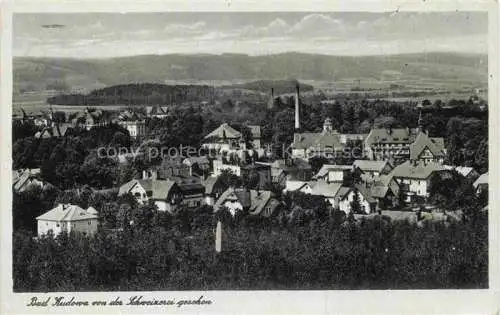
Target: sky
{"points": [[105, 35]]}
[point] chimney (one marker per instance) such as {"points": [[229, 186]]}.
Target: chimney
{"points": [[297, 109], [271, 101]]}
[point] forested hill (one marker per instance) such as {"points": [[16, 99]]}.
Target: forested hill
{"points": [[34, 74], [279, 86], [136, 94]]}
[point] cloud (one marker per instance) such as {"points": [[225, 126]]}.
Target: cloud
{"points": [[276, 28], [185, 29], [317, 25]]}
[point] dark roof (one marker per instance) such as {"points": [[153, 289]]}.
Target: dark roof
{"points": [[253, 200], [386, 135]]}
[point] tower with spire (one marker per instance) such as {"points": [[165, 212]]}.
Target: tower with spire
{"points": [[420, 122]]}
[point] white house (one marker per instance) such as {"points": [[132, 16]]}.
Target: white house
{"points": [[66, 218]]}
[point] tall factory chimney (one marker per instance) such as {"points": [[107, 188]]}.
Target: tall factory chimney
{"points": [[270, 104], [297, 109]]}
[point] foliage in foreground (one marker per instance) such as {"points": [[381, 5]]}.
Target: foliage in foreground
{"points": [[168, 255]]}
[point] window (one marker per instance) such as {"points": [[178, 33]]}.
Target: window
{"points": [[89, 222]]}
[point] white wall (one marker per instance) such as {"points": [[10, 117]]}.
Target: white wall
{"points": [[219, 167], [233, 206], [56, 227], [88, 226], [335, 176]]}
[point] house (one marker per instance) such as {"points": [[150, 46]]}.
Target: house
{"points": [[261, 172], [23, 179], [481, 184], [256, 202], [385, 190], [346, 195], [66, 218], [326, 143], [278, 175], [165, 194], [326, 190], [373, 168], [223, 138], [214, 187], [414, 177], [336, 173], [191, 187], [427, 149]]}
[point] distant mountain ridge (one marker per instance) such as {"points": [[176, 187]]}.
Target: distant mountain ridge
{"points": [[69, 75]]}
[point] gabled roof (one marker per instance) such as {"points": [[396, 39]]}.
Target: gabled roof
{"points": [[156, 110], [482, 180], [331, 167], [370, 166], [417, 170], [434, 145], [295, 185], [464, 170], [323, 188], [386, 135], [343, 192], [317, 141], [68, 212], [224, 131], [158, 189]]}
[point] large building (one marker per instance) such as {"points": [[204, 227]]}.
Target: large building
{"points": [[328, 143]]}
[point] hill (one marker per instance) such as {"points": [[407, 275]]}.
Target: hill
{"points": [[78, 75], [264, 86]]}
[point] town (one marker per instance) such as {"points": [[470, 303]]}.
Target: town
{"points": [[129, 178]]}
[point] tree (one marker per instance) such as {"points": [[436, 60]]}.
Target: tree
{"points": [[356, 203], [317, 162]]}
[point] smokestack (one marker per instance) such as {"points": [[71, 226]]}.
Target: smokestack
{"points": [[297, 109], [271, 101]]}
